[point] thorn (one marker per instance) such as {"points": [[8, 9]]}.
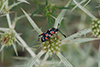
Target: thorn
{"points": [[33, 29]]}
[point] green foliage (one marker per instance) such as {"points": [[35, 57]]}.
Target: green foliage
{"points": [[57, 51], [49, 10]]}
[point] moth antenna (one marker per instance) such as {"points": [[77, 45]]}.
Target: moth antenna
{"points": [[62, 33]]}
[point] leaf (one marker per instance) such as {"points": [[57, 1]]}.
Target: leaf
{"points": [[36, 11], [14, 46], [60, 16], [32, 22], [52, 14], [46, 2], [81, 40], [64, 60], [32, 62], [78, 34]]}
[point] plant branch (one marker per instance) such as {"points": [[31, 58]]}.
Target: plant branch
{"points": [[9, 21]]}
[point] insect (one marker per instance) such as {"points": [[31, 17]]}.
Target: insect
{"points": [[46, 35]]}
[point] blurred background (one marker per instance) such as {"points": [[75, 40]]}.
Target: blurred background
{"points": [[80, 55]]}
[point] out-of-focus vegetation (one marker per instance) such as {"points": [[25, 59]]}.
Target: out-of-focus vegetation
{"points": [[79, 55]]}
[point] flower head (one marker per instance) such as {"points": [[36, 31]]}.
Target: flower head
{"points": [[96, 28], [7, 38], [52, 45]]}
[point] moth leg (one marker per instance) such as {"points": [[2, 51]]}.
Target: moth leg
{"points": [[40, 36]]}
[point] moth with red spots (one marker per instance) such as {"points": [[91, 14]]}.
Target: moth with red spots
{"points": [[46, 35]]}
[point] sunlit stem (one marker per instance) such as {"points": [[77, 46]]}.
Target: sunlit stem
{"points": [[86, 11], [8, 19]]}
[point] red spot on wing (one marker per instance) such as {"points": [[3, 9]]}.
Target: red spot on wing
{"points": [[46, 38], [46, 34], [52, 32], [49, 35]]}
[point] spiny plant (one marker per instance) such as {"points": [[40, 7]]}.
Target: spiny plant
{"points": [[54, 43], [9, 36]]}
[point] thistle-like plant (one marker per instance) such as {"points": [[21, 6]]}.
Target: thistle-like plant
{"points": [[95, 28], [54, 43], [9, 36]]}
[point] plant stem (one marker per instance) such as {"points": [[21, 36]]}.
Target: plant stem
{"points": [[8, 19]]}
